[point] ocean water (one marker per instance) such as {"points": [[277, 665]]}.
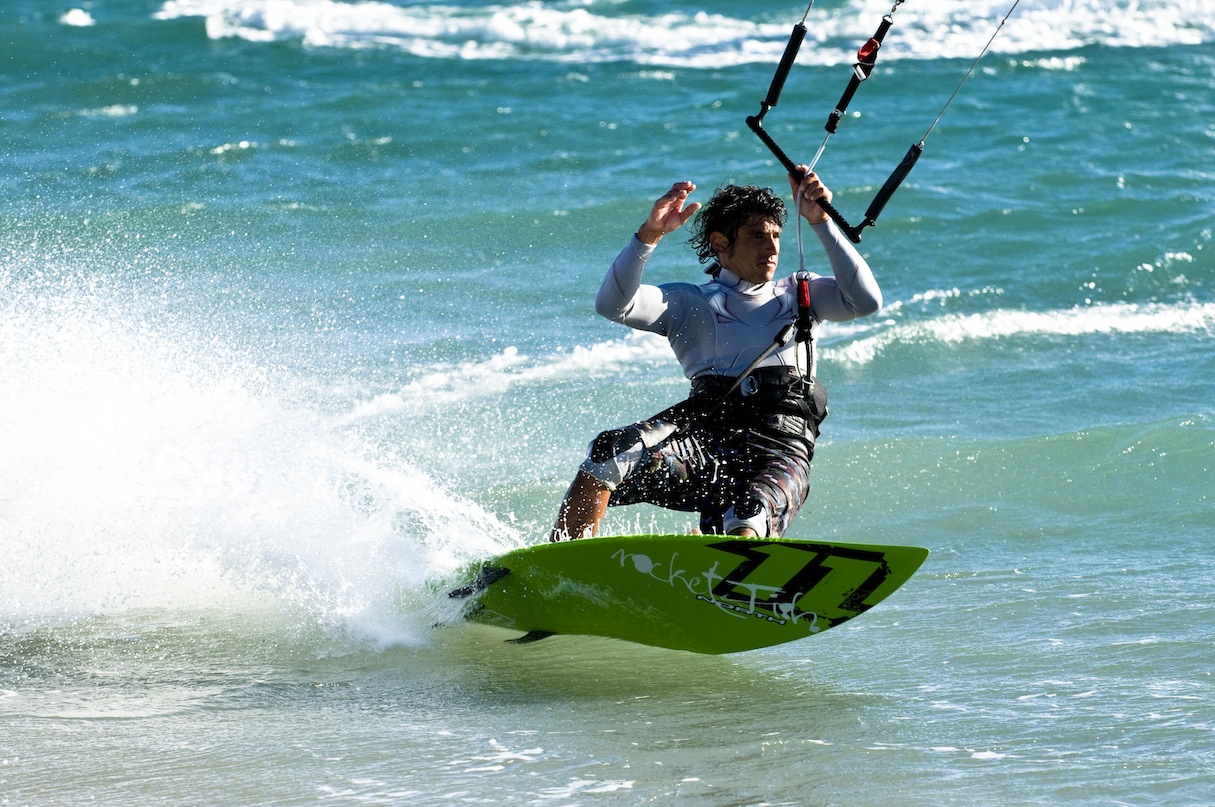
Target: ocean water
{"points": [[295, 321]]}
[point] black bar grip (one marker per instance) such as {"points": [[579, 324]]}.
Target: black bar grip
{"points": [[757, 126], [892, 182], [853, 233], [786, 64], [883, 196]]}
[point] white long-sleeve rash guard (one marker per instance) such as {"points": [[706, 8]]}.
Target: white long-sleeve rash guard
{"points": [[720, 327]]}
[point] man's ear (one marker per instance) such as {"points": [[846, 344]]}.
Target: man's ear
{"points": [[719, 242]]}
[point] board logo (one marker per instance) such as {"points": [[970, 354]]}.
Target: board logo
{"points": [[769, 579]]}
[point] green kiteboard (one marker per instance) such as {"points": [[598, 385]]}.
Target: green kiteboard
{"points": [[703, 593]]}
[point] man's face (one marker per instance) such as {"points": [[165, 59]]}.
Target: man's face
{"points": [[754, 254]]}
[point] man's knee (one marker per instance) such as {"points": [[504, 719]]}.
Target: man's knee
{"points": [[612, 454], [615, 453]]}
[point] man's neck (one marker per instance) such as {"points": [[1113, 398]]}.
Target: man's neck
{"points": [[728, 278]]}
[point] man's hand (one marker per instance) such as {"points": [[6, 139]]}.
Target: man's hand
{"points": [[669, 213], [812, 188]]}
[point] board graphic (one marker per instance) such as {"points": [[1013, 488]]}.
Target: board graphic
{"points": [[703, 593]]}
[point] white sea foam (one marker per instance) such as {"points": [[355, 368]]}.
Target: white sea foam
{"points": [[111, 111], [596, 31], [854, 343], [1121, 318], [142, 467], [444, 384], [77, 18]]}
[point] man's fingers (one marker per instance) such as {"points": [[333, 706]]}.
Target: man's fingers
{"points": [[690, 211]]}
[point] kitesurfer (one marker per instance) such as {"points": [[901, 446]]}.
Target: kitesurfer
{"points": [[738, 449]]}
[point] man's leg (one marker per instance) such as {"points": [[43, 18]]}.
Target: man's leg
{"points": [[778, 486], [582, 510]]}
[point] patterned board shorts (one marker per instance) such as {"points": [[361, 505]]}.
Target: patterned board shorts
{"points": [[757, 475]]}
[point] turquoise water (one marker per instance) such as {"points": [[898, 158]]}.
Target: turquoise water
{"points": [[295, 318]]}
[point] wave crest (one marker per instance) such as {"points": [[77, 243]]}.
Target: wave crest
{"points": [[593, 32]]}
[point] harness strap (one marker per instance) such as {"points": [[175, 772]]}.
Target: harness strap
{"points": [[804, 325], [764, 392]]}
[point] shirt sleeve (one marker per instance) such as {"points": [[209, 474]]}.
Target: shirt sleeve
{"points": [[625, 299], [852, 291]]}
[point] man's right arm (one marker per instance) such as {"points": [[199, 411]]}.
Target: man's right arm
{"points": [[624, 298]]}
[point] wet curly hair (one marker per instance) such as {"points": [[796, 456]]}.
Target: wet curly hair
{"points": [[729, 209]]}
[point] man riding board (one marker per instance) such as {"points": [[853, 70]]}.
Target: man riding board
{"points": [[738, 449]]}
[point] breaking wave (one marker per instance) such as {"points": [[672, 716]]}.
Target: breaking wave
{"points": [[596, 31]]}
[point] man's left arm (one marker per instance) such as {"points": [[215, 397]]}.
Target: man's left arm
{"points": [[852, 291]]}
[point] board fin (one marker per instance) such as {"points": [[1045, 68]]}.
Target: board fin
{"points": [[489, 575], [532, 636]]}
